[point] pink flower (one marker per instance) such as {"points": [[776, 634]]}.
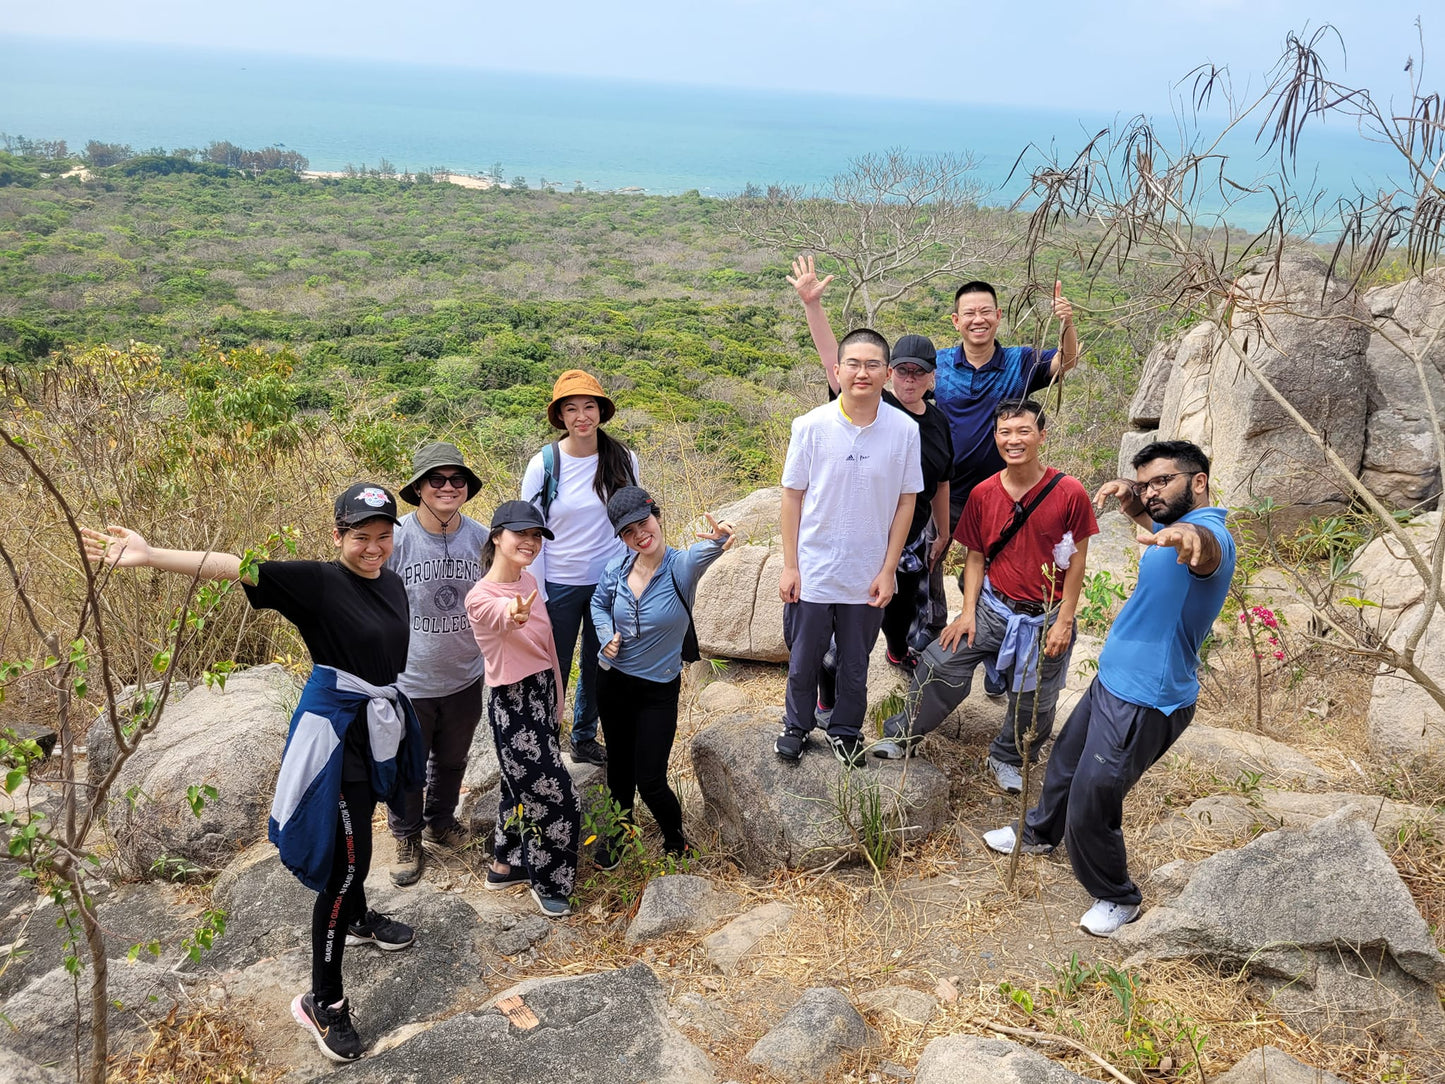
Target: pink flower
{"points": [[1279, 654]]}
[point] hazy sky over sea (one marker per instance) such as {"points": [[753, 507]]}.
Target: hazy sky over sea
{"points": [[1105, 56]]}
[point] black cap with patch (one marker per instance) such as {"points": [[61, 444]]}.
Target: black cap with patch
{"points": [[915, 350], [364, 501]]}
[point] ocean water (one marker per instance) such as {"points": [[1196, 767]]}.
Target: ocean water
{"points": [[603, 134]]}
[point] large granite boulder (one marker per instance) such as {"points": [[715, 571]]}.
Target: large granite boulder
{"points": [[774, 813], [1401, 463], [1271, 1065], [1321, 920], [1406, 725], [1308, 332], [100, 747], [964, 1059], [609, 1027], [737, 613], [1234, 756], [813, 1037], [1238, 817], [230, 739]]}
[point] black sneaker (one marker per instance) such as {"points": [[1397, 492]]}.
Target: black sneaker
{"points": [[378, 929], [790, 744], [848, 750], [994, 686], [608, 856], [589, 751], [331, 1027], [515, 875]]}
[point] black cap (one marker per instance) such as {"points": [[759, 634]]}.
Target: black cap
{"points": [[629, 505], [520, 516], [364, 501], [915, 350]]}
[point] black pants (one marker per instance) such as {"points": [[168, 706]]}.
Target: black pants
{"points": [[639, 721], [447, 726], [1105, 746], [344, 900], [808, 629]]}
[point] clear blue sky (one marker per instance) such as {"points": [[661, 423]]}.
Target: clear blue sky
{"points": [[1119, 56]]}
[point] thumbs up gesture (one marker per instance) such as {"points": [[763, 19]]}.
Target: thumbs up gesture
{"points": [[612, 646], [521, 608], [1063, 307]]}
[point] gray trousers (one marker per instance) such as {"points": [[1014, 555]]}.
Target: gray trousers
{"points": [[807, 629], [944, 677], [447, 725], [1105, 746]]}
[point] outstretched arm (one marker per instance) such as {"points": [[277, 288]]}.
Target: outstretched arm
{"points": [[1196, 545], [1129, 502], [805, 281], [120, 547], [1068, 355]]}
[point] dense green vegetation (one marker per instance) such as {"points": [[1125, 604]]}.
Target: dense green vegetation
{"points": [[449, 305]]}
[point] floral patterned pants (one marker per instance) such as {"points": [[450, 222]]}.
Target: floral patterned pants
{"points": [[543, 837]]}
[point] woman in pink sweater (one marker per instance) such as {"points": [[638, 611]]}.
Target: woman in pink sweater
{"points": [[539, 823]]}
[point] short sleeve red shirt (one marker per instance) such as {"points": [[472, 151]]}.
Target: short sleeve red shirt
{"points": [[1018, 570]]}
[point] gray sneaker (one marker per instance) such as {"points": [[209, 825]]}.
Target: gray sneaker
{"points": [[1002, 841], [894, 748], [406, 867], [1009, 779]]}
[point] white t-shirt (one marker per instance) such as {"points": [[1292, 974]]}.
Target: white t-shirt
{"points": [[585, 540], [853, 476]]}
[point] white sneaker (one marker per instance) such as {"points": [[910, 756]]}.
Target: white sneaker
{"points": [[1009, 779], [1002, 841], [1104, 918]]}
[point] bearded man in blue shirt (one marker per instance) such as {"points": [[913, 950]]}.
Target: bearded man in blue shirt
{"points": [[1145, 691]]}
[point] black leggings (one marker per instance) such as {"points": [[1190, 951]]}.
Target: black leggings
{"points": [[344, 900], [639, 720]]}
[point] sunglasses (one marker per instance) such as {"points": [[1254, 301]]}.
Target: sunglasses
{"points": [[439, 481]]}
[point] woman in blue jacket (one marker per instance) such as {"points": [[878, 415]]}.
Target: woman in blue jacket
{"points": [[354, 738], [643, 609]]}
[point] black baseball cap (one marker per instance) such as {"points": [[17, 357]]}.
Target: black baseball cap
{"points": [[915, 350], [629, 505], [520, 516], [364, 501]]}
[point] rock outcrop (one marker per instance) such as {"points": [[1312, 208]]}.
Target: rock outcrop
{"points": [[230, 739], [1321, 919], [771, 813], [954, 1059]]}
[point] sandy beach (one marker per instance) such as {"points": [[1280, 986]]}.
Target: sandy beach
{"points": [[461, 179]]}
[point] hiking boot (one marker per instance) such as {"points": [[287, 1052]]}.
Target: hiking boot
{"points": [[1104, 918], [1002, 841], [406, 867], [848, 749], [551, 906], [994, 686], [448, 834], [515, 875], [1009, 779], [589, 751], [329, 1026], [382, 931], [790, 744]]}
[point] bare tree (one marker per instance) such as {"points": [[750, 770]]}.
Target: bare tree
{"points": [[892, 221], [1164, 216]]}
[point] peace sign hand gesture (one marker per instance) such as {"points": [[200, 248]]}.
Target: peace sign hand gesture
{"points": [[520, 608], [718, 530]]}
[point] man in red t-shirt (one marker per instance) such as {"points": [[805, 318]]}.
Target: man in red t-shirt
{"points": [[1027, 530]]}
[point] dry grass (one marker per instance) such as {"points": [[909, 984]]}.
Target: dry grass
{"points": [[205, 1046]]}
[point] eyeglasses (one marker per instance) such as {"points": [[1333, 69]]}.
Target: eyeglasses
{"points": [[851, 366], [913, 372], [1159, 482], [440, 481], [969, 314]]}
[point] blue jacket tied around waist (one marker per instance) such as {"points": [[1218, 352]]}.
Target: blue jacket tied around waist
{"points": [[303, 813]]}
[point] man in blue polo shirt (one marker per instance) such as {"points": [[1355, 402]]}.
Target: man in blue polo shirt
{"points": [[973, 379], [1145, 691]]}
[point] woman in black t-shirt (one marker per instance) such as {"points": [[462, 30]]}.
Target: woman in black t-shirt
{"points": [[353, 616]]}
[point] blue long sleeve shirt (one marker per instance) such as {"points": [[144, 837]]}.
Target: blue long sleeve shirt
{"points": [[654, 625]]}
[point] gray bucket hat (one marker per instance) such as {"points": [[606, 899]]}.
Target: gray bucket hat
{"points": [[431, 457]]}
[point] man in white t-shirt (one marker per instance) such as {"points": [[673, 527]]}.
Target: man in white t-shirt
{"points": [[849, 481]]}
